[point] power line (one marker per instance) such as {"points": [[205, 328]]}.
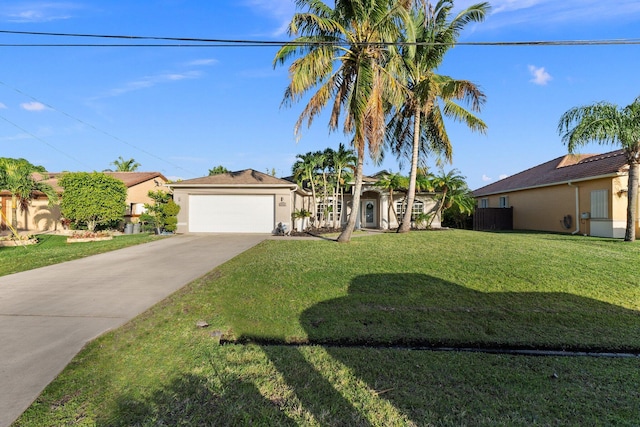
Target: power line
{"points": [[43, 141], [210, 42], [85, 124]]}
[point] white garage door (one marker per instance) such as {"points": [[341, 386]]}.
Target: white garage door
{"points": [[231, 213]]}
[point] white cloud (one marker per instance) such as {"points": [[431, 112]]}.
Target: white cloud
{"points": [[17, 137], [486, 178], [279, 10], [540, 75], [201, 62], [544, 12], [2, 106], [503, 176], [150, 81], [33, 106], [38, 11]]}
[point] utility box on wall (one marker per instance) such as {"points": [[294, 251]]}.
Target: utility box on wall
{"points": [[585, 215]]}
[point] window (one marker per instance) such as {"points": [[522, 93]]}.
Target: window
{"points": [[484, 203], [418, 208], [599, 204], [504, 201], [328, 213]]}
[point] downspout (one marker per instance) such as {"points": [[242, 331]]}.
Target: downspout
{"points": [[577, 230]]}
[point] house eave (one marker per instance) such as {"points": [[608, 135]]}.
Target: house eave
{"points": [[290, 187]]}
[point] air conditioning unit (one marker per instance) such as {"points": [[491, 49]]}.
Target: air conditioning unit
{"points": [[585, 215]]}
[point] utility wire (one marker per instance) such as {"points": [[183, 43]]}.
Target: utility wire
{"points": [[142, 150], [43, 141], [207, 42]]}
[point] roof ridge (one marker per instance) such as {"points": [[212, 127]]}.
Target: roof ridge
{"points": [[597, 157]]}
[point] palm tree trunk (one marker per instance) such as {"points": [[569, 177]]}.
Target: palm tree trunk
{"points": [[411, 193], [632, 193], [14, 211], [440, 209], [345, 236], [314, 212], [336, 192]]}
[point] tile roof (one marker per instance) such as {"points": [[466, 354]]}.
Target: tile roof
{"points": [[239, 178], [134, 178], [560, 170], [129, 178]]}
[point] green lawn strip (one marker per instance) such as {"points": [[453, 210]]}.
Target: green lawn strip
{"points": [[439, 289], [160, 369], [54, 249]]}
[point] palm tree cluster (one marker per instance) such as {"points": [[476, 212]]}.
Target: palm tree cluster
{"points": [[452, 193], [23, 181], [375, 62], [326, 173]]}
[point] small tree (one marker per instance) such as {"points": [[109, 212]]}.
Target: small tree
{"points": [[92, 198], [217, 170], [163, 213]]}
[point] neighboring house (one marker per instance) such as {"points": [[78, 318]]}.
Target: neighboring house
{"points": [[585, 194], [249, 201], [42, 217]]}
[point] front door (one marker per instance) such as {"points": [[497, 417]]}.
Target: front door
{"points": [[369, 213]]}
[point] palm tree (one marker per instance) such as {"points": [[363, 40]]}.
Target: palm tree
{"points": [[123, 165], [304, 169], [343, 161], [323, 160], [391, 182], [353, 36], [418, 126], [18, 177], [452, 188], [606, 123]]}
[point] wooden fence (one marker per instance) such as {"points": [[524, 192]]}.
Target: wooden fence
{"points": [[487, 219]]}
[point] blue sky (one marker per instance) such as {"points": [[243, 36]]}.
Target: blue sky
{"points": [[182, 111]]}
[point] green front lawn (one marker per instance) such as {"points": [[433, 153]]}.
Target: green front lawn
{"points": [[54, 249], [348, 309]]}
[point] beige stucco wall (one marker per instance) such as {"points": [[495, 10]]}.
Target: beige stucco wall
{"points": [[284, 201], [138, 194], [38, 217], [544, 208]]}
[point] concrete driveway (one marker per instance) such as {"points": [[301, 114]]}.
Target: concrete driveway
{"points": [[48, 314]]}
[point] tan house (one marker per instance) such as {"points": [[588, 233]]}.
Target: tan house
{"points": [[578, 194], [41, 217], [249, 201]]}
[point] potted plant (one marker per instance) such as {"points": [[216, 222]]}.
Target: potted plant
{"points": [[301, 217]]}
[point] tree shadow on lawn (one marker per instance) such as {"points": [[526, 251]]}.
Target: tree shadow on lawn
{"points": [[413, 310], [194, 400], [424, 311]]}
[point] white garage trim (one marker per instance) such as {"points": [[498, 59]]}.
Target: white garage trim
{"points": [[227, 213]]}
